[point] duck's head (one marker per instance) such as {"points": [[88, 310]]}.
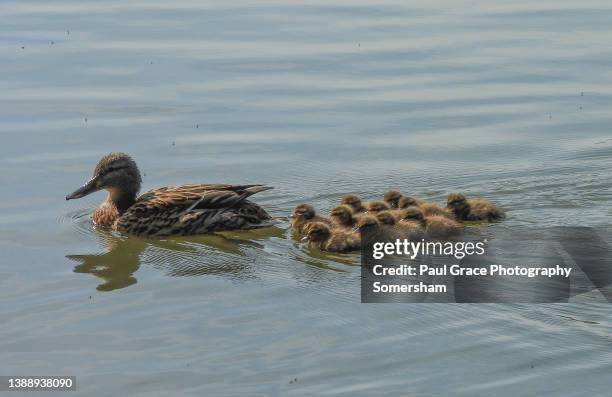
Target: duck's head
{"points": [[115, 172], [377, 206], [343, 214], [385, 218], [318, 232], [304, 211], [413, 214], [457, 202], [392, 198], [353, 201], [406, 201], [367, 223]]}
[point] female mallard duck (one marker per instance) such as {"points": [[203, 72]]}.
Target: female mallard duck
{"points": [[304, 215], [354, 202], [323, 237], [476, 209], [172, 210]]}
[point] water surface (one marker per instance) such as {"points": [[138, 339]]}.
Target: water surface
{"points": [[509, 101]]}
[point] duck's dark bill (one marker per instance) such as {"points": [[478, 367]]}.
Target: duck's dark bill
{"points": [[84, 190]]}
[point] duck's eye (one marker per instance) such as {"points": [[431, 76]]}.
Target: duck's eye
{"points": [[113, 168]]}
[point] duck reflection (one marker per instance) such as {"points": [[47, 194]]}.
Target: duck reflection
{"points": [[215, 254]]}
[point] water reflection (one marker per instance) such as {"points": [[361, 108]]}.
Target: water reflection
{"points": [[216, 254], [116, 267]]}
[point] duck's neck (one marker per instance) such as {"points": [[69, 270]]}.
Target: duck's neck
{"points": [[122, 199], [117, 202]]}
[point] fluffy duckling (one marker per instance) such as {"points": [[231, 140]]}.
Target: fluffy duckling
{"points": [[371, 231], [476, 209], [392, 198], [404, 229], [413, 214], [342, 216], [305, 215], [321, 236], [434, 225], [386, 218], [433, 209], [407, 201], [354, 202], [440, 226], [377, 206]]}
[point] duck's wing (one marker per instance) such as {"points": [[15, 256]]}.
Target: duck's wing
{"points": [[186, 209], [197, 196], [197, 190]]}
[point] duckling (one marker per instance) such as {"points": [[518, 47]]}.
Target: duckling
{"points": [[377, 206], [385, 218], [342, 216], [321, 236], [439, 226], [413, 214], [354, 202], [407, 201], [371, 231], [476, 209], [430, 209], [392, 198], [434, 225], [171, 210], [305, 215], [404, 229]]}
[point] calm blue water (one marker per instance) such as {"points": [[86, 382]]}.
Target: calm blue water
{"points": [[505, 100]]}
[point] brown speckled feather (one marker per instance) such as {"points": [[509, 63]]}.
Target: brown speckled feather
{"points": [[193, 209]]}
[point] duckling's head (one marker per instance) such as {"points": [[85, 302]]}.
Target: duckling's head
{"points": [[318, 232], [353, 201], [343, 214], [392, 198], [115, 172], [457, 203], [385, 218], [304, 211], [413, 214], [377, 206], [367, 223], [406, 201]]}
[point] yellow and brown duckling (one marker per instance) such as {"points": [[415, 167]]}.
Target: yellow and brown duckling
{"points": [[475, 209], [174, 210], [377, 206], [403, 229], [435, 225], [408, 201], [439, 226], [354, 202], [392, 198], [325, 238], [305, 215], [386, 218], [371, 231], [342, 216], [433, 209]]}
